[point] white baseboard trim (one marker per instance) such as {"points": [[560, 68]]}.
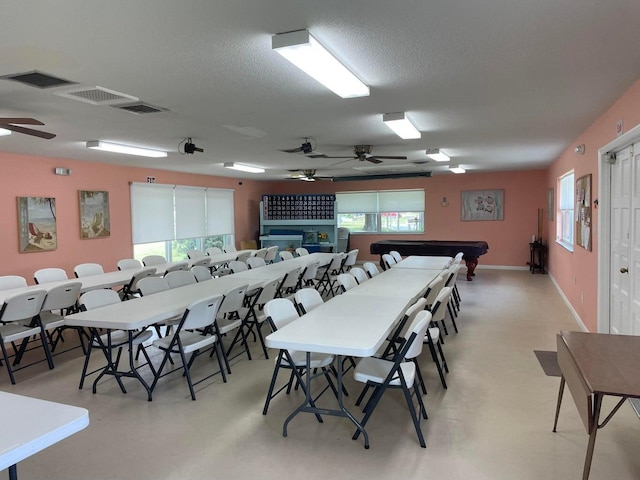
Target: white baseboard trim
{"points": [[500, 267], [568, 304]]}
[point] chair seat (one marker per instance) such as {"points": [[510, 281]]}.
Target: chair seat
{"points": [[435, 335], [51, 320], [225, 325], [14, 331], [376, 370], [318, 360], [191, 341]]}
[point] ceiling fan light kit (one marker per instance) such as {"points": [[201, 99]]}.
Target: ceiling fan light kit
{"points": [[243, 168], [305, 52], [437, 155], [401, 125], [126, 149]]}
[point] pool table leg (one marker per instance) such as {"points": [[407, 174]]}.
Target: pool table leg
{"points": [[471, 263]]}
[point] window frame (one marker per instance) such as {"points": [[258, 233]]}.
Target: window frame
{"points": [[565, 210]]}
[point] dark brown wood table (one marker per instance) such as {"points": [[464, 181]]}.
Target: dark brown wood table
{"points": [[594, 365]]}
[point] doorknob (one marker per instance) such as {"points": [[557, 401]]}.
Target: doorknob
{"points": [[624, 270]]}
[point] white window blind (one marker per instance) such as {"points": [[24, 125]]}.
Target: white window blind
{"points": [[151, 212], [401, 201], [360, 202], [190, 212], [220, 218]]}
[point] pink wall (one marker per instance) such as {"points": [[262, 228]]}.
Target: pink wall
{"points": [[525, 192], [576, 273], [24, 176]]}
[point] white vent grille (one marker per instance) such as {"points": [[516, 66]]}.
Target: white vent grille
{"points": [[96, 95]]}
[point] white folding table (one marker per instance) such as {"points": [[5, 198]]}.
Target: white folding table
{"points": [[408, 284], [31, 425], [347, 325], [419, 262]]}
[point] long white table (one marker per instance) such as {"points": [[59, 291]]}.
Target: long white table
{"points": [[408, 284], [30, 425], [419, 262], [280, 268], [347, 325]]}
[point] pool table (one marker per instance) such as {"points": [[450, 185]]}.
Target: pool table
{"points": [[471, 249]]}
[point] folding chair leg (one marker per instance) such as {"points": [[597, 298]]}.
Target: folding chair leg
{"points": [[453, 317], [434, 356], [419, 375], [8, 364], [414, 416]]}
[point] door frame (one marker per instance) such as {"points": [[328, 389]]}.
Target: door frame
{"points": [[604, 221]]}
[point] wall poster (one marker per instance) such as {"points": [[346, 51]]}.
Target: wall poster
{"points": [[482, 205], [37, 224], [94, 214]]}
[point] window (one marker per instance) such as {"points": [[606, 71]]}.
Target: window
{"points": [[564, 224], [386, 211], [169, 220]]}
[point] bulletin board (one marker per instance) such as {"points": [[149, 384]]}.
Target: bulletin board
{"points": [[583, 212]]}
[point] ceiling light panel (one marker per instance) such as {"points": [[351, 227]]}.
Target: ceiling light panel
{"points": [[306, 53], [243, 168], [456, 169], [4, 131], [437, 155], [401, 125], [126, 149]]}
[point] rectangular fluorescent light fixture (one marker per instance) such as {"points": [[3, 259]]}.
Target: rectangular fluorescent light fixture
{"points": [[117, 148], [306, 53], [437, 155], [4, 131], [243, 168], [401, 125], [456, 169]]}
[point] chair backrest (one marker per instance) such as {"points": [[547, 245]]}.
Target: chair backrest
{"points": [[129, 264], [359, 274], [255, 262], [352, 256], [307, 299], [153, 260], [213, 251], [285, 255], [269, 290], [371, 269], [233, 299], [387, 261], [229, 248], [195, 254], [237, 266], [243, 256], [301, 251], [201, 313], [201, 274], [396, 255], [418, 327], [22, 306], [202, 262], [272, 251], [262, 253], [452, 275], [86, 269], [178, 266], [337, 262], [98, 298], [290, 280], [180, 278], [280, 312], [310, 271], [151, 285], [438, 309], [347, 281], [458, 257], [12, 281], [434, 287], [410, 313], [45, 275], [133, 283], [62, 296]]}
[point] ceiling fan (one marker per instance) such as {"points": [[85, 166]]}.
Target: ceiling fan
{"points": [[307, 147], [13, 125], [362, 153], [306, 176]]}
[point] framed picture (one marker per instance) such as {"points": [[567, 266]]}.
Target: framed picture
{"points": [[94, 214], [482, 205], [37, 224], [550, 204]]}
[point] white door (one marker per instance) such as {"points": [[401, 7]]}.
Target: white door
{"points": [[624, 304]]}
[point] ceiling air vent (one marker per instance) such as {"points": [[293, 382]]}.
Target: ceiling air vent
{"points": [[96, 95], [140, 108], [38, 79]]}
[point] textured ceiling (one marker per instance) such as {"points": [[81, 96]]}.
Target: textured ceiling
{"points": [[496, 85]]}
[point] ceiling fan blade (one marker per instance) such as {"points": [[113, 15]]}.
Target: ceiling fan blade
{"points": [[292, 150], [344, 161], [28, 131], [373, 160], [21, 121], [396, 157]]}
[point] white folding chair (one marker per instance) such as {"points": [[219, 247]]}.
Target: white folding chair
{"points": [[211, 251], [388, 261], [8, 282], [195, 253], [229, 248], [396, 255], [285, 255], [306, 299], [229, 319], [351, 259], [129, 264], [61, 300], [301, 251], [180, 278], [272, 252], [202, 262], [371, 269], [359, 274], [153, 260], [86, 269], [192, 336], [131, 289], [237, 266], [201, 273], [347, 281], [46, 275], [177, 266], [255, 262]]}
